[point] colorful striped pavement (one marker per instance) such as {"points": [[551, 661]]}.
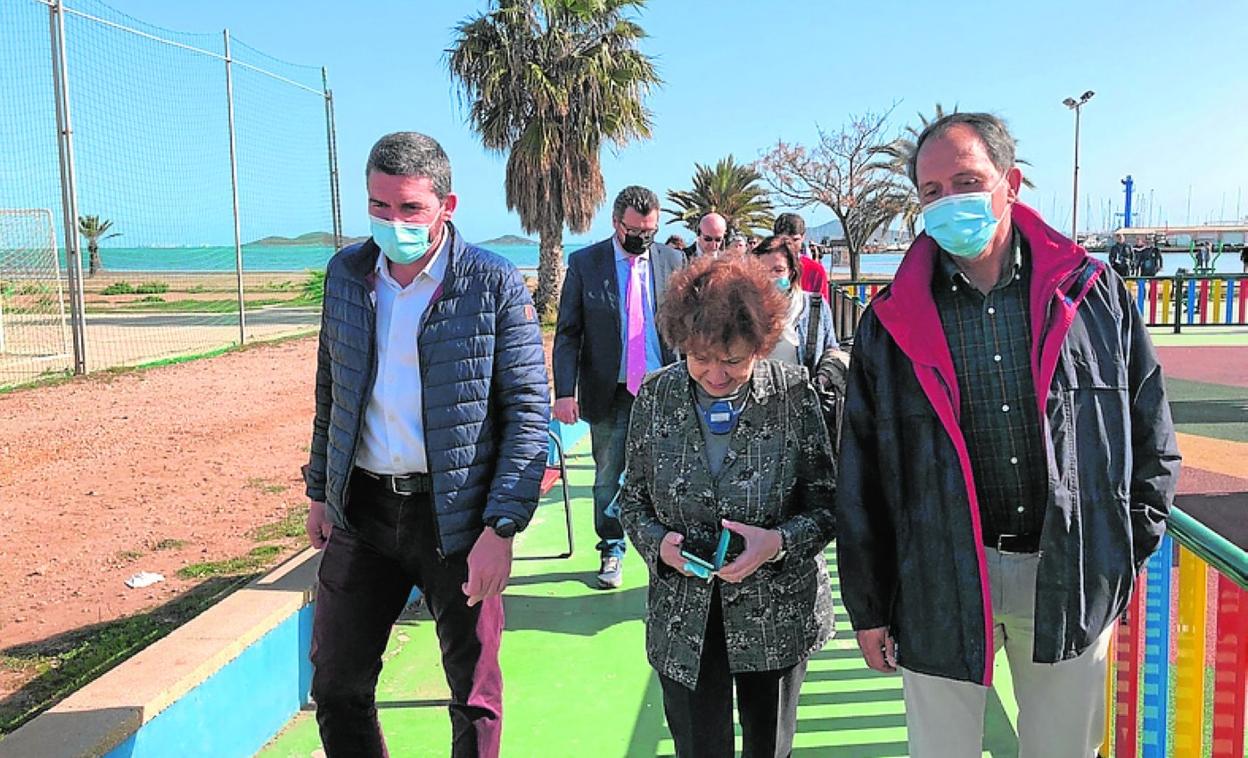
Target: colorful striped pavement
{"points": [[577, 681]]}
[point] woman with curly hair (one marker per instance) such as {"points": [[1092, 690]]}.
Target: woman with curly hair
{"points": [[727, 449]]}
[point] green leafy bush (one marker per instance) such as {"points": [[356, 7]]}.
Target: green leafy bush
{"points": [[118, 288], [314, 288]]}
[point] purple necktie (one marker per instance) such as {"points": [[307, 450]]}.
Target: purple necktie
{"points": [[635, 368]]}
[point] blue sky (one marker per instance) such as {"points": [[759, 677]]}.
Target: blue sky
{"points": [[1171, 106]]}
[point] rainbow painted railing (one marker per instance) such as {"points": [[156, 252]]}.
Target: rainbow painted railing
{"points": [[1191, 300], [1178, 301], [1179, 658]]}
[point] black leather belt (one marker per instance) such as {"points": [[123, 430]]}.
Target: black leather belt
{"points": [[401, 484], [1015, 543]]}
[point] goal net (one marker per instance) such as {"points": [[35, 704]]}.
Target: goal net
{"points": [[34, 330]]}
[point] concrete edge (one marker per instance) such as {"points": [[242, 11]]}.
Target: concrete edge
{"points": [[104, 713]]}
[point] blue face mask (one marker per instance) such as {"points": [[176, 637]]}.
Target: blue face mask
{"points": [[400, 242], [964, 224], [783, 284]]}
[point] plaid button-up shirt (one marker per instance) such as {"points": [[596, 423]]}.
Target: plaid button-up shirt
{"points": [[990, 339]]}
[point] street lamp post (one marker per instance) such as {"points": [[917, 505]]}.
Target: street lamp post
{"points": [[1076, 106]]}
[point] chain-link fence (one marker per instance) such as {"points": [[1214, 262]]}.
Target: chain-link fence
{"points": [[161, 193]]}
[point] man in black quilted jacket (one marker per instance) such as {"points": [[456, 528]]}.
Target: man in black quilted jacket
{"points": [[428, 449]]}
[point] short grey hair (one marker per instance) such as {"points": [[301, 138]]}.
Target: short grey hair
{"points": [[992, 132], [636, 197], [412, 154]]}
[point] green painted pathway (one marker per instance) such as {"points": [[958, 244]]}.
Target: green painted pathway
{"points": [[576, 678], [1191, 336]]}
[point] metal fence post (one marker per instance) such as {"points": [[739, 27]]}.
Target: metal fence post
{"points": [[1178, 303], [69, 186], [331, 144], [238, 232]]}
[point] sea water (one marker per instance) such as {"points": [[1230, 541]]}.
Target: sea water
{"points": [[264, 258], [256, 258]]}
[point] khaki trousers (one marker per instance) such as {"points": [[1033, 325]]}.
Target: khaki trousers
{"points": [[1061, 707]]}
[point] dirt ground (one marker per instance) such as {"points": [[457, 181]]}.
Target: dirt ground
{"points": [[150, 471], [110, 475]]}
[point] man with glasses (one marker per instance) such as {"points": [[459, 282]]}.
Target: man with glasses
{"points": [[712, 228], [605, 342]]}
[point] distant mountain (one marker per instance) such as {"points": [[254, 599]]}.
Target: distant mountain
{"points": [[509, 239], [318, 239], [831, 229]]}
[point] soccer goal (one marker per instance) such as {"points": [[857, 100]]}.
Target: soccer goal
{"points": [[34, 329]]}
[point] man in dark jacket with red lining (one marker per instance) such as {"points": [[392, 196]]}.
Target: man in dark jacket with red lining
{"points": [[1008, 460]]}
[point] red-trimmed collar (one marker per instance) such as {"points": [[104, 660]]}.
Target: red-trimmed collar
{"points": [[909, 313]]}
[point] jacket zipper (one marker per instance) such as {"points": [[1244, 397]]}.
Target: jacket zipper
{"points": [[989, 651], [424, 416], [372, 377]]}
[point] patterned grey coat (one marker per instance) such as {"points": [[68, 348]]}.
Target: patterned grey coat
{"points": [[778, 473]]}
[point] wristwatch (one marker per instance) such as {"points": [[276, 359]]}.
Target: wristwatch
{"points": [[502, 526]]}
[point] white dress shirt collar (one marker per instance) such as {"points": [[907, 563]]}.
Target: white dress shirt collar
{"points": [[435, 269]]}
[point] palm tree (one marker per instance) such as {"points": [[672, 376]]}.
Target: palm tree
{"points": [[95, 230], [731, 189], [549, 82], [897, 160]]}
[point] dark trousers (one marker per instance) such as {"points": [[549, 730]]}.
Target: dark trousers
{"points": [[607, 437], [701, 719], [366, 575]]}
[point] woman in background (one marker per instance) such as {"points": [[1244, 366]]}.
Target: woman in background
{"points": [[809, 336], [797, 344]]}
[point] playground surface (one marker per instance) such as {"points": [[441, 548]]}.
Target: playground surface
{"points": [[577, 680], [155, 471]]}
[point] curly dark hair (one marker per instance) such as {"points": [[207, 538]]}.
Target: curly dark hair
{"points": [[713, 302]]}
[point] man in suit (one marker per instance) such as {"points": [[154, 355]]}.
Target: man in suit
{"points": [[605, 342], [712, 229]]}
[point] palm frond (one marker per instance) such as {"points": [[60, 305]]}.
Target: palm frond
{"points": [[731, 189], [547, 82]]}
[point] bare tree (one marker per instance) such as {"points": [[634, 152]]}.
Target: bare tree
{"points": [[841, 172]]}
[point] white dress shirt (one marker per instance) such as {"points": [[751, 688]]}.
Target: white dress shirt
{"points": [[393, 437]]}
